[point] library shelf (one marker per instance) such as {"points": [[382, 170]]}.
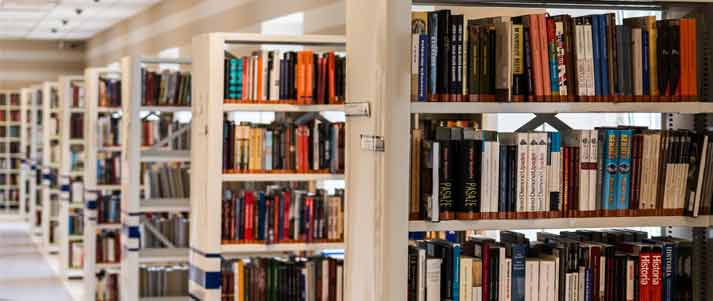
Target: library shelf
{"points": [[176, 298], [114, 149], [108, 187], [228, 250], [113, 226], [280, 177], [74, 273], [108, 265], [165, 109], [76, 205], [50, 164], [560, 223], [165, 205], [560, 107], [108, 110], [53, 248], [248, 107], [76, 141], [163, 255], [158, 155], [75, 237], [76, 110]]}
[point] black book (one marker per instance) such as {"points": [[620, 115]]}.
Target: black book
{"points": [[455, 72], [470, 160], [445, 173]]}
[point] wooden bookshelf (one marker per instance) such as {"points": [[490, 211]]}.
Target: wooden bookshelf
{"points": [[50, 164], [134, 155], [209, 107], [67, 176], [378, 34]]}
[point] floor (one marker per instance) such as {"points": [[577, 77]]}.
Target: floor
{"points": [[28, 275]]}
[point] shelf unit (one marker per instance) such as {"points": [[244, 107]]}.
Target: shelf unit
{"points": [[134, 156], [26, 172], [9, 204], [378, 36], [92, 188], [34, 158], [50, 164], [71, 92], [206, 193]]}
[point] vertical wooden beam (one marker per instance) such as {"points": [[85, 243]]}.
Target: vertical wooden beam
{"points": [[378, 43]]}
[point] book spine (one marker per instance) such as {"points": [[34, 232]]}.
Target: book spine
{"points": [[423, 56], [610, 170], [552, 47], [603, 55], [562, 73], [646, 77], [624, 169], [596, 51]]}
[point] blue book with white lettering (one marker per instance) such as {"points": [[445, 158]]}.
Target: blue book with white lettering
{"points": [[519, 256], [645, 61], [623, 181], [611, 165], [424, 51], [456, 272]]}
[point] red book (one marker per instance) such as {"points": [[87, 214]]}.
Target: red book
{"points": [[331, 86], [249, 205], [544, 55], [537, 79], [644, 276], [486, 268], [286, 216], [656, 274], [276, 220], [595, 256], [246, 78], [310, 221]]}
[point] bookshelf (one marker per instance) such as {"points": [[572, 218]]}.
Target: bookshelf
{"points": [[50, 165], [209, 110], [34, 155], [378, 34], [9, 204], [137, 158], [26, 172], [98, 132], [71, 171]]}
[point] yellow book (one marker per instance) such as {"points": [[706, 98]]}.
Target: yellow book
{"points": [[653, 67]]}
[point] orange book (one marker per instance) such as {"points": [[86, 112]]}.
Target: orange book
{"points": [[309, 77], [300, 77], [544, 55], [692, 58], [259, 78], [536, 55], [683, 83], [331, 86], [245, 78]]}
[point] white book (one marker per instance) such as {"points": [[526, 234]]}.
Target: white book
{"points": [[522, 171], [602, 275], [583, 142], [433, 279], [645, 194], [581, 65], [556, 278], [477, 293], [561, 68], [630, 279], [495, 174], [77, 192], [265, 85], [592, 173], [532, 279], [466, 278], [540, 152], [325, 280], [547, 271], [580, 283], [310, 281], [421, 275], [508, 280], [502, 274], [340, 282], [255, 71], [109, 247], [572, 283], [589, 60], [484, 177], [637, 59], [436, 149], [696, 203], [275, 76]]}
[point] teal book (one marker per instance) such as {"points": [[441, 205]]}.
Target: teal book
{"points": [[611, 166], [456, 272], [623, 180]]}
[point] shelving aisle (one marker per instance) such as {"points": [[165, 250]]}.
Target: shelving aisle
{"points": [[71, 173], [153, 134], [50, 153], [210, 251], [102, 140], [9, 124]]}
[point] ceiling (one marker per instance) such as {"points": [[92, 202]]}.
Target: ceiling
{"points": [[45, 19]]}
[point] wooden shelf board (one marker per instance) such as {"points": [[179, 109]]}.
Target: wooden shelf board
{"points": [[241, 107], [159, 255], [165, 205], [280, 177], [560, 223], [165, 108], [560, 107], [175, 298], [165, 156], [114, 265], [247, 249]]}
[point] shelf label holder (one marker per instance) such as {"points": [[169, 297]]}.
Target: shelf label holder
{"points": [[357, 109]]}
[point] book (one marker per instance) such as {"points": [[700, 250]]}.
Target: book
{"points": [[165, 88]]}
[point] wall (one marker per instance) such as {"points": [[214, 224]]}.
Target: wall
{"points": [[25, 62], [173, 23]]}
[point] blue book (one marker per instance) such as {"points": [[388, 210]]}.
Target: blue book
{"points": [[588, 285], [433, 51], [668, 270], [623, 180], [554, 72], [555, 147], [603, 56], [261, 215], [503, 178], [424, 50], [611, 164], [645, 61], [456, 272], [519, 255], [595, 55]]}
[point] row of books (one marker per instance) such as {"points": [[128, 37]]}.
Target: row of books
{"points": [[109, 92], [10, 132], [165, 88], [77, 88], [76, 158], [76, 126], [154, 130], [107, 286], [108, 130], [580, 265], [108, 168], [108, 246], [300, 77], [316, 278], [173, 227], [76, 254], [464, 173], [312, 146], [281, 215], [167, 180], [552, 58], [163, 281], [109, 209], [75, 224]]}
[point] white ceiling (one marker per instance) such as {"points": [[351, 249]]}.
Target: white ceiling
{"points": [[36, 19]]}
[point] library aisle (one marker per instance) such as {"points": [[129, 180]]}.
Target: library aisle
{"points": [[25, 273]]}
